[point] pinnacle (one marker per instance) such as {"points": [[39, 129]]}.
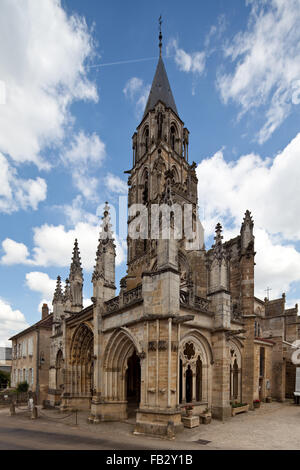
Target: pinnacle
{"points": [[218, 231], [75, 267], [58, 295], [106, 232]]}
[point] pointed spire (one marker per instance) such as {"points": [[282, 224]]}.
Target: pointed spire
{"points": [[247, 237], [106, 232], [160, 89], [75, 268], [218, 236], [67, 293], [105, 239], [218, 246], [58, 295], [248, 220]]}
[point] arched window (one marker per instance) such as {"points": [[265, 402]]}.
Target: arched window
{"points": [[199, 379], [145, 191], [172, 137], [235, 380], [146, 139], [189, 384]]}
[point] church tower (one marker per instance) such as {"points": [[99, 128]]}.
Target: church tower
{"points": [[160, 174]]}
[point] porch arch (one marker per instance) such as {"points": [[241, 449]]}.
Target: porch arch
{"points": [[121, 346], [81, 355]]}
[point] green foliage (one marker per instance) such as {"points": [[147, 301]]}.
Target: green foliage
{"points": [[238, 405], [22, 387], [4, 379]]}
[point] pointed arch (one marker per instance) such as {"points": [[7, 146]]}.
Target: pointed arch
{"points": [[199, 337], [81, 358], [235, 370], [120, 347], [195, 360]]}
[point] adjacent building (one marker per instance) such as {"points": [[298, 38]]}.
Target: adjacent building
{"points": [[5, 359], [30, 356]]}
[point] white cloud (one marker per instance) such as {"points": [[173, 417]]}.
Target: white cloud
{"points": [[270, 189], [53, 245], [41, 282], [75, 212], [277, 265], [133, 86], [15, 252], [216, 31], [42, 77], [136, 91], [11, 322], [193, 62], [267, 58], [84, 154], [17, 193], [116, 184], [85, 149]]}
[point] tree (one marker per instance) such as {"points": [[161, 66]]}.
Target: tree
{"points": [[22, 387], [4, 379]]}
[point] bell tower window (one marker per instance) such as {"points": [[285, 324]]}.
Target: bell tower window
{"points": [[146, 139], [145, 191], [172, 137]]}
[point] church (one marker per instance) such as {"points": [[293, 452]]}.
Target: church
{"points": [[185, 327]]}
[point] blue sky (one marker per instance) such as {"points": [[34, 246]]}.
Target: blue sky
{"points": [[67, 118]]}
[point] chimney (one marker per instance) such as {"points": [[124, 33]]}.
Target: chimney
{"points": [[45, 311]]}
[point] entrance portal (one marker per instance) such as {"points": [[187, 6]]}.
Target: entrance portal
{"points": [[133, 383]]}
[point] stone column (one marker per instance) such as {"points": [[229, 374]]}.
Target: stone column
{"points": [[221, 408]]}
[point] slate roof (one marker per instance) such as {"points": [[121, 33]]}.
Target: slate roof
{"points": [[160, 90], [44, 323]]}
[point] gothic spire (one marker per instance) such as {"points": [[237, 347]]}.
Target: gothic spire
{"points": [[58, 294], [75, 268], [218, 236], [218, 246], [106, 252], [106, 232], [67, 293], [248, 220], [160, 89]]}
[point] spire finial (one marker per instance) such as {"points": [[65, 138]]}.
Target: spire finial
{"points": [[58, 295], [160, 35], [75, 267]]}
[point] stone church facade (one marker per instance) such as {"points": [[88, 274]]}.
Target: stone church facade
{"points": [[185, 326]]}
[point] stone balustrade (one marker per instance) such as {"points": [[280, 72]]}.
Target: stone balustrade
{"points": [[196, 302], [124, 299]]}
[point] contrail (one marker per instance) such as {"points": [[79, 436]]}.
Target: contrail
{"points": [[122, 62]]}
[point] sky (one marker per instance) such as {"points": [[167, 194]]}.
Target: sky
{"points": [[74, 80]]}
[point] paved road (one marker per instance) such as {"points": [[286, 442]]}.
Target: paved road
{"points": [[19, 438], [273, 426], [20, 433]]}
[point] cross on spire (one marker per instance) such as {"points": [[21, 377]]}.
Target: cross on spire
{"points": [[267, 290], [160, 35]]}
